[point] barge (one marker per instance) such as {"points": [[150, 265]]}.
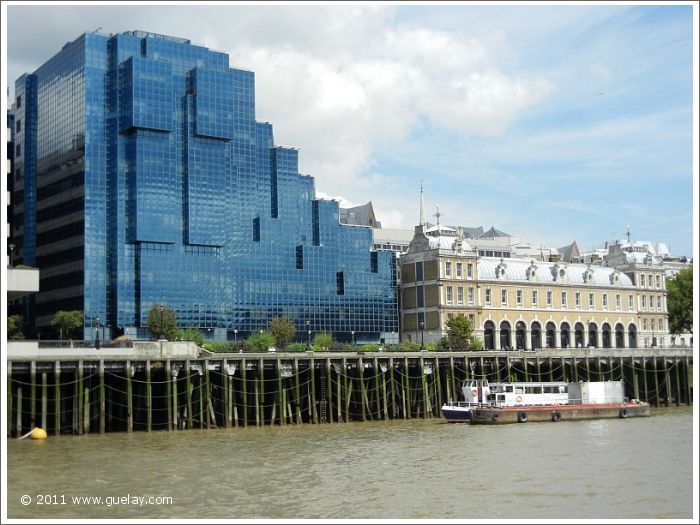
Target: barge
{"points": [[500, 403]]}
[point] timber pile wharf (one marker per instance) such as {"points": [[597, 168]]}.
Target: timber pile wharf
{"points": [[179, 386]]}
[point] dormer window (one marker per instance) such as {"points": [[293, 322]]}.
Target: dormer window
{"points": [[559, 272], [615, 277], [588, 275]]}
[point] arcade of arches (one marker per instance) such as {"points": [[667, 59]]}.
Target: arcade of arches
{"points": [[506, 336]]}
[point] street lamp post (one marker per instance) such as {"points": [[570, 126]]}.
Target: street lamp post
{"points": [[162, 307], [235, 335], [352, 332], [97, 333], [308, 340], [422, 327]]}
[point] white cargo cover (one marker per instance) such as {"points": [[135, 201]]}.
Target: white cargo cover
{"points": [[597, 392]]}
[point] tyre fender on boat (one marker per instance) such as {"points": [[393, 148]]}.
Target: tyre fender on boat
{"points": [[556, 416], [623, 413], [522, 417]]}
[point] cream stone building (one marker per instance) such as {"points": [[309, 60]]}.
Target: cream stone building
{"points": [[528, 304]]}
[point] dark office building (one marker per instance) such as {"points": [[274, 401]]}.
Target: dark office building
{"points": [[145, 179]]}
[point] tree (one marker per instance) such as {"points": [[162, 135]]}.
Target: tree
{"points": [[322, 341], [68, 323], [283, 331], [459, 334], [14, 327], [261, 341], [680, 301], [162, 321]]}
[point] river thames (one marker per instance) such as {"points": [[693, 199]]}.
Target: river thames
{"points": [[640, 468]]}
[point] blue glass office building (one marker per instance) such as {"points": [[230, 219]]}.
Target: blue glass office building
{"points": [[145, 179]]}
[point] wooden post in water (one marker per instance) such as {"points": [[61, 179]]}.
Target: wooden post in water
{"points": [[438, 386], [688, 380], [657, 391], [168, 399], [32, 395], [261, 388], [257, 401], [451, 381], [329, 389], [208, 409], [338, 398], [635, 378], [57, 397], [188, 386], [173, 374], [386, 403], [9, 399], [361, 370], [394, 408], [644, 379], [86, 411], [424, 389], [348, 390], [244, 391], [44, 402], [377, 374], [19, 412], [667, 390], [78, 404], [676, 365], [312, 393], [280, 393], [149, 397], [297, 392], [129, 398], [405, 377]]}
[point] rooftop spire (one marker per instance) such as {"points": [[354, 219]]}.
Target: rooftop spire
{"points": [[422, 217]]}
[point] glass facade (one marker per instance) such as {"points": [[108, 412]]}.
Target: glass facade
{"points": [[147, 180]]}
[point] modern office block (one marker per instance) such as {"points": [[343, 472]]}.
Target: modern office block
{"points": [[145, 179]]}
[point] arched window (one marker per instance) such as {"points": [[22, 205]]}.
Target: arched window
{"points": [[489, 330], [565, 335], [505, 335], [578, 335], [619, 336], [606, 335], [633, 336], [536, 335], [592, 335], [551, 327], [520, 335]]}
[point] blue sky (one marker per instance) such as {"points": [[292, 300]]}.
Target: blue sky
{"points": [[551, 122]]}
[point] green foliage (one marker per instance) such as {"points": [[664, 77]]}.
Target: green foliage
{"points": [[260, 342], [283, 330], [680, 301], [459, 334], [221, 346], [295, 347], [189, 334], [14, 327], [68, 323], [322, 341], [162, 323]]}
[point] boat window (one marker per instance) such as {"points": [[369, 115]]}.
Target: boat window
{"points": [[519, 390], [509, 388]]}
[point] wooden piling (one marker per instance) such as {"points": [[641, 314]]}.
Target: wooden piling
{"points": [[244, 391], [312, 391], [44, 402], [149, 397], [32, 395], [297, 392], [361, 370], [394, 408], [19, 412], [424, 389], [329, 389], [78, 401], [173, 373], [377, 375], [348, 390], [9, 399], [129, 399], [56, 396], [189, 387], [86, 411], [280, 395]]}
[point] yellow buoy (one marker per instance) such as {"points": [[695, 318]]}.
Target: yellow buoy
{"points": [[38, 433]]}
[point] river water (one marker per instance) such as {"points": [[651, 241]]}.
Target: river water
{"points": [[638, 468]]}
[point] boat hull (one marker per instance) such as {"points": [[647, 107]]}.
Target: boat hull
{"points": [[457, 414], [555, 413]]}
